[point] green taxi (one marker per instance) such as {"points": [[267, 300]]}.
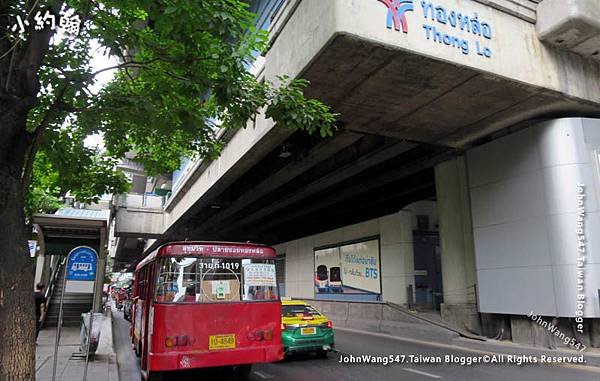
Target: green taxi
{"points": [[304, 329]]}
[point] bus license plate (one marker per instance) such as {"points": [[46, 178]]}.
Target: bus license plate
{"points": [[221, 342], [308, 331]]}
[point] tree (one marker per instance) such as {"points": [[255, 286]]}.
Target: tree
{"points": [[181, 76]]}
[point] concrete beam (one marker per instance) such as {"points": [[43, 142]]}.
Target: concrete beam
{"points": [[244, 151], [138, 223], [328, 180], [322, 151], [349, 193], [293, 225]]}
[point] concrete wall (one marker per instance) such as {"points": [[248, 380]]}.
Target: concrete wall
{"points": [[523, 191], [524, 9], [396, 245], [424, 208], [382, 318], [456, 239]]}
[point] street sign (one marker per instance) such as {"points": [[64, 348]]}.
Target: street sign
{"points": [[32, 247], [80, 277], [82, 264], [81, 270]]}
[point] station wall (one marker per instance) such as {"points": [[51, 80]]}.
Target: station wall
{"points": [[524, 200], [395, 234]]}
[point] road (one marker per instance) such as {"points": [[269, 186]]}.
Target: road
{"points": [[308, 367]]}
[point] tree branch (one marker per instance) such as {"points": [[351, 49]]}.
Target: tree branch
{"points": [[35, 49], [126, 65], [36, 137]]}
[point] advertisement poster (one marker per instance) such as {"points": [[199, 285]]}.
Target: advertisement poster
{"points": [[352, 268], [360, 266]]}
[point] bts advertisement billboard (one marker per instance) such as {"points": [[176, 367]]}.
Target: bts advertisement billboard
{"points": [[352, 268]]}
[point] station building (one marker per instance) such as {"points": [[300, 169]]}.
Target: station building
{"points": [[464, 176]]}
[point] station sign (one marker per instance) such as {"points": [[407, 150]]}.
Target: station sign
{"points": [[457, 28]]}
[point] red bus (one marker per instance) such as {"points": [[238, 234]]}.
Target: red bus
{"points": [[206, 304]]}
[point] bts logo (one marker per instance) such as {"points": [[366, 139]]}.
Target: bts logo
{"points": [[396, 13]]}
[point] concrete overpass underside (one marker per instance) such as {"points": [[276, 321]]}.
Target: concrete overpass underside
{"points": [[390, 92], [128, 252], [316, 189], [399, 116]]}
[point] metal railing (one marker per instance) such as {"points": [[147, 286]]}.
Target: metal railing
{"points": [[51, 285]]}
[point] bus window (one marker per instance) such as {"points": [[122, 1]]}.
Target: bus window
{"points": [[213, 280], [221, 280]]}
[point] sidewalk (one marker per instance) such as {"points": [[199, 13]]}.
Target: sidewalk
{"points": [[387, 319], [102, 366]]}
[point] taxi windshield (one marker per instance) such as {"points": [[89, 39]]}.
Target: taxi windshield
{"points": [[212, 280], [299, 310]]}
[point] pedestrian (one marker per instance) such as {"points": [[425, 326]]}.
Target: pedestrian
{"points": [[40, 307]]}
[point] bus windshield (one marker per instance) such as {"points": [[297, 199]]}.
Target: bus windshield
{"points": [[214, 280]]}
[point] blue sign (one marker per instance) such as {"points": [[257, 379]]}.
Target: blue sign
{"points": [[81, 264]]}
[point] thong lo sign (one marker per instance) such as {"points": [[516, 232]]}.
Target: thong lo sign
{"points": [[452, 28]]}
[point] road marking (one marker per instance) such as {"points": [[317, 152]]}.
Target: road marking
{"points": [[421, 373], [586, 368], [262, 375]]}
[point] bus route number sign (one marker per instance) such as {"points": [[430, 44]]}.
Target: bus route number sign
{"points": [[216, 342]]}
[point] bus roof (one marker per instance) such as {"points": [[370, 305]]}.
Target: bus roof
{"points": [[209, 249]]}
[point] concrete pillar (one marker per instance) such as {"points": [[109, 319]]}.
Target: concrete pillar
{"points": [[100, 270], [42, 264], [456, 243], [397, 256]]}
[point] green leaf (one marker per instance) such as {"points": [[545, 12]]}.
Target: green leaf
{"points": [[192, 58]]}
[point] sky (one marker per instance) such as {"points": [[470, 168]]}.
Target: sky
{"points": [[100, 61]]}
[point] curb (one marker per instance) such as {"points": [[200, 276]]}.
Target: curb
{"points": [[106, 347]]}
